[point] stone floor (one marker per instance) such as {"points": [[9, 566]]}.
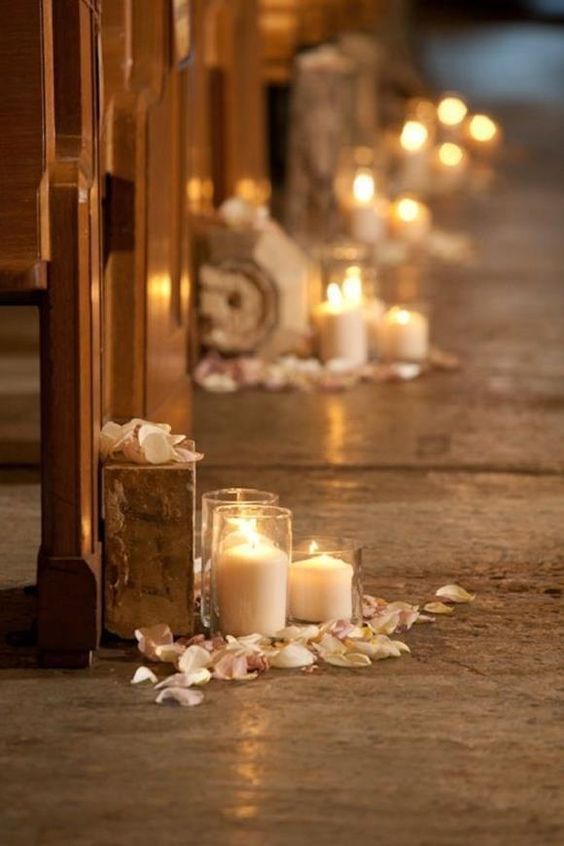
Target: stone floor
{"points": [[455, 477]]}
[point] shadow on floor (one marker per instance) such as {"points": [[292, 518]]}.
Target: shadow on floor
{"points": [[17, 628]]}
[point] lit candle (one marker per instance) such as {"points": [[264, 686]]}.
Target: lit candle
{"points": [[251, 581], [367, 220], [340, 324], [451, 112], [320, 588], [483, 134], [403, 335], [373, 308], [414, 143], [410, 219], [451, 164]]}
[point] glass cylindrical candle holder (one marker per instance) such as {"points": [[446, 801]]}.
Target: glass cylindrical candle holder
{"points": [[325, 581], [403, 334], [210, 501], [251, 550]]}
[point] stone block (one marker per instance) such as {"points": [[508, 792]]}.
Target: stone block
{"points": [[148, 548]]}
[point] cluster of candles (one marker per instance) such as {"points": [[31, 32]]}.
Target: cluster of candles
{"points": [[352, 327], [256, 582], [432, 150]]}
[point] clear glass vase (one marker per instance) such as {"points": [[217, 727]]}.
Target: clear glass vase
{"points": [[251, 550], [210, 501], [325, 580]]}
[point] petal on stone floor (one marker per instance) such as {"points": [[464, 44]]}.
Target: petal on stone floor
{"points": [[455, 593], [151, 637], [183, 696], [143, 674]]}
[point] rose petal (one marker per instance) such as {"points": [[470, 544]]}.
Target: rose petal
{"points": [[438, 608], [109, 436], [292, 656], [455, 593], [183, 696], [348, 659], [231, 666], [143, 674], [156, 448], [194, 658], [198, 677], [170, 653], [151, 637], [304, 633]]}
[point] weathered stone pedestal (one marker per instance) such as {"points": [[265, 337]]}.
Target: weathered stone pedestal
{"points": [[148, 549]]}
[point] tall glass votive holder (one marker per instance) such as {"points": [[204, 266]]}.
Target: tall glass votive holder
{"points": [[325, 581], [251, 552], [210, 501]]}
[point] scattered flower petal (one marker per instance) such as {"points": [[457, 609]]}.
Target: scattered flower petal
{"points": [[438, 608], [194, 658], [291, 656], [183, 696], [455, 593], [347, 659], [151, 637], [143, 674], [232, 666], [303, 633], [198, 677]]}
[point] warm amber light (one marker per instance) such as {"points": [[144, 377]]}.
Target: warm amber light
{"points": [[408, 209], [482, 128], [352, 285], [334, 295], [452, 111], [413, 136], [364, 187], [400, 315], [450, 155], [313, 547]]}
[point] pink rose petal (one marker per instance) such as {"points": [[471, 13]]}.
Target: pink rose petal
{"points": [[149, 638], [184, 696]]}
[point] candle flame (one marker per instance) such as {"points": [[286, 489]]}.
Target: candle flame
{"points": [[334, 295], [450, 155], [364, 187], [413, 136], [352, 285], [400, 315], [451, 111], [313, 547], [482, 128], [408, 209]]}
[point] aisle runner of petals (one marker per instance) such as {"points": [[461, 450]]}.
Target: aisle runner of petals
{"points": [[198, 660]]}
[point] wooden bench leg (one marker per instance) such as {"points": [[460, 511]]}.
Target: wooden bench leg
{"points": [[69, 568]]}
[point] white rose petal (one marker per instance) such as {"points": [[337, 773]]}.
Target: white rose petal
{"points": [[143, 674], [194, 658], [438, 608], [184, 696], [348, 659], [455, 593], [292, 656]]}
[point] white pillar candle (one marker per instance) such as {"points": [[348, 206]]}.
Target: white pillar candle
{"points": [[320, 589], [251, 585], [451, 164], [374, 308], [451, 112], [403, 335], [341, 328], [410, 219], [414, 144], [367, 217]]}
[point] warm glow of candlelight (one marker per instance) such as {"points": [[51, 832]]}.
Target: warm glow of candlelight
{"points": [[334, 295], [450, 155], [352, 285], [313, 547], [364, 188], [408, 209], [451, 111], [400, 315], [413, 136], [482, 128]]}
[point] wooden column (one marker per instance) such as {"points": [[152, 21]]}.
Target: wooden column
{"points": [[69, 578]]}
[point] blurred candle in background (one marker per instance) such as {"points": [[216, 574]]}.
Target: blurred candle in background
{"points": [[341, 324], [367, 221], [403, 335], [414, 151], [483, 134], [450, 165], [410, 219], [451, 112]]}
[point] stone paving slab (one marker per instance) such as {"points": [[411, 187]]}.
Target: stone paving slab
{"points": [[460, 742]]}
